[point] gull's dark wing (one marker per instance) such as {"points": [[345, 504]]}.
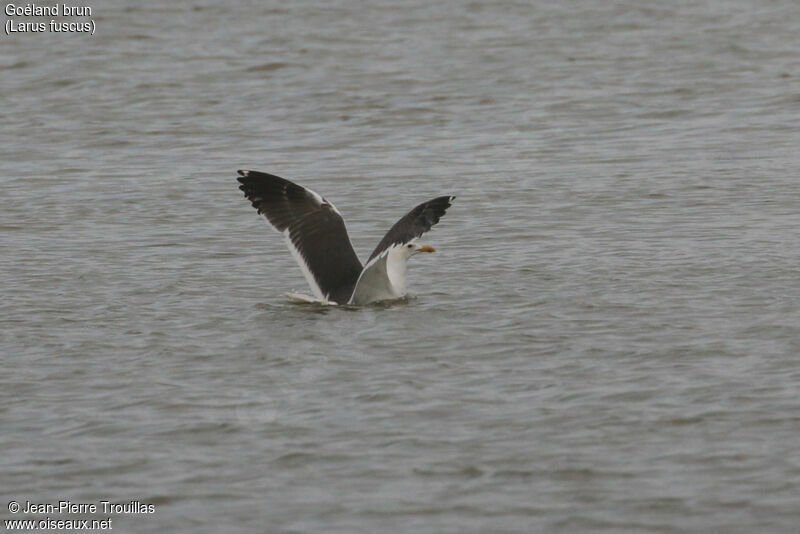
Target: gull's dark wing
{"points": [[415, 223], [313, 229]]}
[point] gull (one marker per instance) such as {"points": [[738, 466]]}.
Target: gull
{"points": [[316, 235]]}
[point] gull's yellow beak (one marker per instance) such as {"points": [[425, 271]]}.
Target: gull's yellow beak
{"points": [[427, 248]]}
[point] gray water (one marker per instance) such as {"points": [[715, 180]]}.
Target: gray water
{"points": [[607, 340]]}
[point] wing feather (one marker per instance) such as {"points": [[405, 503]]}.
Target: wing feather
{"points": [[314, 230], [415, 223]]}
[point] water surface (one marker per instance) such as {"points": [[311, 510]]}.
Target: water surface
{"points": [[606, 340]]}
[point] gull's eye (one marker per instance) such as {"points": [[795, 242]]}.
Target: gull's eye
{"points": [[409, 246]]}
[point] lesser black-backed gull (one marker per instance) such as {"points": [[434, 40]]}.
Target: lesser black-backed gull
{"points": [[316, 235]]}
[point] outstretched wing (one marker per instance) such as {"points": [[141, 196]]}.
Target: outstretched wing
{"points": [[313, 229], [415, 223]]}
